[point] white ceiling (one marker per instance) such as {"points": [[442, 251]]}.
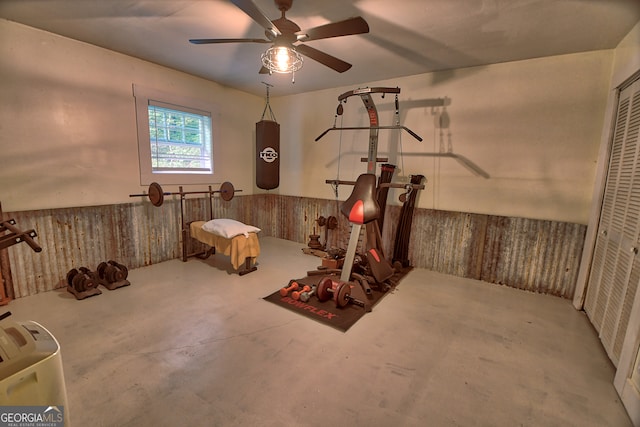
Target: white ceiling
{"points": [[406, 37]]}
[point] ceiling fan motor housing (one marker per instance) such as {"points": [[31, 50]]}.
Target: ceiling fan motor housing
{"points": [[283, 5]]}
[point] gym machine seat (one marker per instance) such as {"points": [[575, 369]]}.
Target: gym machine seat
{"points": [[362, 206]]}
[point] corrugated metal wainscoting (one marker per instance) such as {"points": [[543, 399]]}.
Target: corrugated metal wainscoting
{"points": [[535, 255], [134, 234], [539, 256]]}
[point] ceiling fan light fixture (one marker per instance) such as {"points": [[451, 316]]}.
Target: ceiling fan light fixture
{"points": [[282, 59]]}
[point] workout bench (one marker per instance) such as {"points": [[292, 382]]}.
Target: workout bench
{"points": [[240, 244]]}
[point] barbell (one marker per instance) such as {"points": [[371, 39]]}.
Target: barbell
{"points": [[156, 194]]}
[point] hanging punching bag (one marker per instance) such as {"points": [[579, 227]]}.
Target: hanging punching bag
{"points": [[267, 154]]}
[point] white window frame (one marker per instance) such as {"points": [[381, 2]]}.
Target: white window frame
{"points": [[144, 97]]}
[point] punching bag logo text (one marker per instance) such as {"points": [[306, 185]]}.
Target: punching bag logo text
{"points": [[269, 155]]}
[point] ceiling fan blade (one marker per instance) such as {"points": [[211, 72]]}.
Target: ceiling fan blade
{"points": [[263, 70], [336, 29], [211, 41], [324, 58], [250, 8]]}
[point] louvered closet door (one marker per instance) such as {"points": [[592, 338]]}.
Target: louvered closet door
{"points": [[615, 269]]}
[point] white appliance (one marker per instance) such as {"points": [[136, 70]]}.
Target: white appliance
{"points": [[30, 366]]}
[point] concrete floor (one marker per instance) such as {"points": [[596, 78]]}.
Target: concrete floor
{"points": [[189, 344]]}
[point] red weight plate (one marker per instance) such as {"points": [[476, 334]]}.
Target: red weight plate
{"points": [[342, 294], [322, 290]]}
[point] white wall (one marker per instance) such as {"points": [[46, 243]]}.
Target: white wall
{"points": [[68, 132], [67, 122], [533, 126]]}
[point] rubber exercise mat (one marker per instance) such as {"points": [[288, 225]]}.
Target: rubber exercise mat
{"points": [[326, 312]]}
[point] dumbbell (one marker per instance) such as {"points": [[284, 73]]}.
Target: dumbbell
{"points": [[296, 294], [112, 272], [81, 280], [293, 285], [306, 296], [338, 290]]}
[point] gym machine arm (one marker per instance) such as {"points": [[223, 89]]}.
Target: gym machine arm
{"points": [[364, 93], [16, 235], [382, 90], [412, 133], [407, 186]]}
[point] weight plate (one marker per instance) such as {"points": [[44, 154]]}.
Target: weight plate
{"points": [[117, 274], [122, 269], [70, 275], [341, 295], [101, 270], [110, 274], [87, 282], [156, 195], [227, 191], [322, 290], [332, 223], [79, 281]]}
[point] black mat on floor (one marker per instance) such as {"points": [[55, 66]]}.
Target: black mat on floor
{"points": [[326, 312]]}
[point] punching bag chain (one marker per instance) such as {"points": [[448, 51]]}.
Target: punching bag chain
{"points": [[267, 105]]}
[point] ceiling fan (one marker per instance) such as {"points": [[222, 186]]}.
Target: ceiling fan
{"points": [[287, 39]]}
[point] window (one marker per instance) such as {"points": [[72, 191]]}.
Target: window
{"points": [[175, 138], [180, 141]]}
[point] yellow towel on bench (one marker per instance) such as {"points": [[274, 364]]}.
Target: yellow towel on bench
{"points": [[238, 248]]}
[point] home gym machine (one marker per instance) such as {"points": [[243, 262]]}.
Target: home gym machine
{"points": [[387, 170], [365, 206]]}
